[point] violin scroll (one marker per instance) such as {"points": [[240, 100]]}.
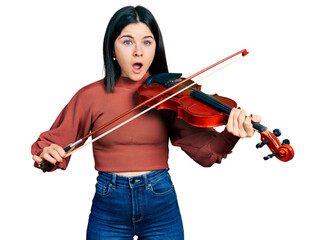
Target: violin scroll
{"points": [[283, 151]]}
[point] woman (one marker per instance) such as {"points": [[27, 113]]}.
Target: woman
{"points": [[134, 193]]}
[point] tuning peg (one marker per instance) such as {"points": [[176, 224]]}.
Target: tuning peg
{"points": [[285, 141], [270, 156], [277, 132], [261, 144]]}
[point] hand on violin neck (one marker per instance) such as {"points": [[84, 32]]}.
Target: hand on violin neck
{"points": [[239, 125]]}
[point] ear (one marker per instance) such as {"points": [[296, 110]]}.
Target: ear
{"points": [[114, 55]]}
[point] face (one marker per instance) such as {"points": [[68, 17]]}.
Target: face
{"points": [[135, 50]]}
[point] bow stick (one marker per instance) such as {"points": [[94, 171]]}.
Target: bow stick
{"points": [[69, 147]]}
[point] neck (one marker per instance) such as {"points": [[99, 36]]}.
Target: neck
{"points": [[126, 82]]}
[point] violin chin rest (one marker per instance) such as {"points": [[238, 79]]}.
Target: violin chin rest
{"points": [[165, 79]]}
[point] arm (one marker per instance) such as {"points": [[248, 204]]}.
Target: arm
{"points": [[206, 146], [73, 122]]}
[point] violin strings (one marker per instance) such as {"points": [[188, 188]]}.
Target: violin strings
{"points": [[149, 108]]}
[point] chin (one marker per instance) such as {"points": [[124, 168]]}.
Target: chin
{"points": [[137, 77]]}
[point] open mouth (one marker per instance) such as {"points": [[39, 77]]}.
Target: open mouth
{"points": [[137, 67]]}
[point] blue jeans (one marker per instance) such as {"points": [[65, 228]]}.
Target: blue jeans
{"points": [[144, 205]]}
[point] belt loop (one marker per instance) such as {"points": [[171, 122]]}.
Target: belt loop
{"points": [[113, 181], [145, 179]]}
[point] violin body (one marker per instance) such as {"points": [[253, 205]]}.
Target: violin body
{"points": [[193, 112]]}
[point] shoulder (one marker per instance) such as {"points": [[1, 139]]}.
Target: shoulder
{"points": [[89, 94], [95, 89]]}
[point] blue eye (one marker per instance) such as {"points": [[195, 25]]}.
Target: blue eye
{"points": [[147, 43], [127, 42]]}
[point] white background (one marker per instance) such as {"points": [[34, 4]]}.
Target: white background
{"points": [[50, 49]]}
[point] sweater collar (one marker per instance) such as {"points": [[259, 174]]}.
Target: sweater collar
{"points": [[125, 82]]}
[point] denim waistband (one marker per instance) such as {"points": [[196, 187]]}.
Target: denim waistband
{"points": [[145, 179]]}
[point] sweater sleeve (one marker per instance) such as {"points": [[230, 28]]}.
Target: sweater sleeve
{"points": [[73, 123], [205, 146]]}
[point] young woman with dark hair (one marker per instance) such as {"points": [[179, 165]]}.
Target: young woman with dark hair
{"points": [[134, 192], [121, 19]]}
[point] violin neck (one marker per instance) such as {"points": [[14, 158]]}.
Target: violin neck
{"points": [[220, 106]]}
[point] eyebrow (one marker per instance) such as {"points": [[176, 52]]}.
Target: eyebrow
{"points": [[129, 36]]}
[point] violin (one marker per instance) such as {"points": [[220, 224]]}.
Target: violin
{"points": [[169, 91], [203, 110]]}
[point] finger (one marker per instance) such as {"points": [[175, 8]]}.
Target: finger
{"points": [[239, 123], [236, 128], [230, 121], [54, 154], [241, 119], [248, 127], [59, 150], [232, 125], [255, 118], [46, 156], [37, 159]]}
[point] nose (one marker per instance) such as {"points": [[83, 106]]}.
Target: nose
{"points": [[137, 51]]}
